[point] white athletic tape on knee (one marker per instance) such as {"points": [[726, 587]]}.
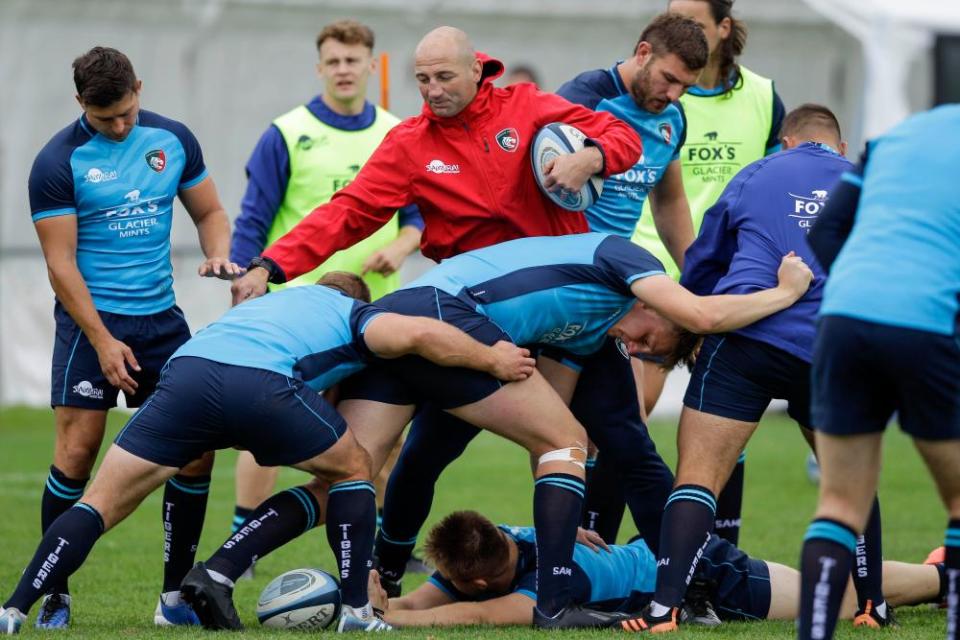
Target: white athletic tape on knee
{"points": [[573, 455]]}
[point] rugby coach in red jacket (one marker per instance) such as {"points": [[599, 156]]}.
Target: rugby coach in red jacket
{"points": [[464, 161]]}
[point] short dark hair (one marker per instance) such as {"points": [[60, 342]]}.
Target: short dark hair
{"points": [[347, 32], [350, 284], [467, 546], [103, 76], [684, 352], [808, 118], [681, 36]]}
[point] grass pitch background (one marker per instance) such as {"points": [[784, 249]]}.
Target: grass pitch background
{"points": [[116, 590]]}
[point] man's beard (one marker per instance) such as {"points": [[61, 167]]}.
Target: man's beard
{"points": [[638, 90]]}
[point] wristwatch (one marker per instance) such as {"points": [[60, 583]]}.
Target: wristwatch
{"points": [[275, 273]]}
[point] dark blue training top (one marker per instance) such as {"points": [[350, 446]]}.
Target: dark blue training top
{"points": [[268, 173], [764, 213]]}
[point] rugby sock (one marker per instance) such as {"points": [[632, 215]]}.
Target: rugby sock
{"points": [[278, 520], [392, 554], [59, 494], [407, 500], [184, 507], [687, 523], [557, 505], [942, 591], [730, 503], [240, 515], [61, 551], [868, 565], [604, 503], [351, 523], [952, 563], [828, 550]]}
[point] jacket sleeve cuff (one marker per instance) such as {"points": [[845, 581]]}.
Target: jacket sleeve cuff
{"points": [[593, 142], [275, 273]]}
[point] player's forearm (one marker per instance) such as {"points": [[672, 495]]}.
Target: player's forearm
{"points": [[447, 346], [458, 613], [214, 233], [72, 292], [720, 314], [329, 228], [407, 240]]}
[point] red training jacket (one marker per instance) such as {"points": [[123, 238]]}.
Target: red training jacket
{"points": [[470, 175]]}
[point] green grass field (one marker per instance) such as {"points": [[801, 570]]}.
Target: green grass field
{"points": [[116, 590]]}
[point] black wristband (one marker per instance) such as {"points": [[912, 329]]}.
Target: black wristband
{"points": [[275, 273]]}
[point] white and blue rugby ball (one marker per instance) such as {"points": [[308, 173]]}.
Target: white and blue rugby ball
{"points": [[300, 599], [558, 139]]}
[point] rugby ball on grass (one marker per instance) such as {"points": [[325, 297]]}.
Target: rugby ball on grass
{"points": [[558, 139], [300, 599]]}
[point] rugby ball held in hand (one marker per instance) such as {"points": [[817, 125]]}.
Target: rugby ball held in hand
{"points": [[558, 139]]}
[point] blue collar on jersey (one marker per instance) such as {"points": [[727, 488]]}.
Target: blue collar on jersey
{"points": [[703, 92], [86, 126], [820, 145], [617, 80], [331, 118]]}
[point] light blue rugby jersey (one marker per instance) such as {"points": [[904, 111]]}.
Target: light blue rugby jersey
{"points": [[312, 333], [597, 576], [122, 194], [900, 265], [621, 203], [565, 291]]}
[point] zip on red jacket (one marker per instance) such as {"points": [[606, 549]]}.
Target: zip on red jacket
{"points": [[470, 175]]}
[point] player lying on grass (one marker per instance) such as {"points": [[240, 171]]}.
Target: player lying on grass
{"points": [[527, 291], [485, 575], [249, 381]]}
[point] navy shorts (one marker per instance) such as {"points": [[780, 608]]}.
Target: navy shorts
{"points": [[413, 380], [736, 377], [201, 405], [863, 372], [739, 586], [77, 379]]}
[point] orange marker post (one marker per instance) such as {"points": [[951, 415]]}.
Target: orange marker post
{"points": [[385, 81]]}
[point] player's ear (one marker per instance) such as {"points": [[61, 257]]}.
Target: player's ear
{"points": [[480, 584]]}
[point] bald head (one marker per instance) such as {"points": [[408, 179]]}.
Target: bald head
{"points": [[447, 43], [448, 71]]}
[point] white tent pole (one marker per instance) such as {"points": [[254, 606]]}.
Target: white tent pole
{"points": [[889, 48]]}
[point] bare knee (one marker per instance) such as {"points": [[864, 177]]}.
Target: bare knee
{"points": [[346, 460], [79, 436], [843, 507], [76, 454]]}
